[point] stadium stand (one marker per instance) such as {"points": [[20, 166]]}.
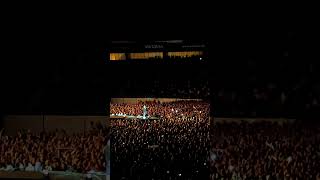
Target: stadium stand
{"points": [[48, 152]]}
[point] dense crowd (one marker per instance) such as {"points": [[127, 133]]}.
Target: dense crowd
{"points": [[165, 109], [243, 98], [53, 151], [175, 146], [265, 150], [247, 88]]}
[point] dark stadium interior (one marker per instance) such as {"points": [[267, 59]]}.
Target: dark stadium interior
{"points": [[244, 74], [248, 66]]}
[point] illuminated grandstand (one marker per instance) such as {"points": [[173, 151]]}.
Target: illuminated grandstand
{"points": [[156, 50]]}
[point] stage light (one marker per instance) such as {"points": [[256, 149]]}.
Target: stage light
{"points": [[179, 174]]}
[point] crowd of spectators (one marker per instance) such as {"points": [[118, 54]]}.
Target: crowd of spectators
{"points": [[265, 150], [247, 88], [181, 108], [53, 151], [270, 99], [175, 146]]}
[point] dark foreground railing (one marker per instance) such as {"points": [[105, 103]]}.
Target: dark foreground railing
{"points": [[21, 175], [53, 175]]}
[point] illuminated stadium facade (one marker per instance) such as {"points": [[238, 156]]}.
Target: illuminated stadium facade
{"points": [[156, 50]]}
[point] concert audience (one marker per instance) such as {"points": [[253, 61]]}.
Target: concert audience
{"points": [[247, 88], [265, 150], [57, 151], [268, 99], [175, 146]]}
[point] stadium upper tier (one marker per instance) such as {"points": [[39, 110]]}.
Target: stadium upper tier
{"points": [[156, 50]]}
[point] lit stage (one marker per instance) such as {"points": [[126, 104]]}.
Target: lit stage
{"points": [[144, 115], [114, 116]]}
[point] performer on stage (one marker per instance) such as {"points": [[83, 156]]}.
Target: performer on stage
{"points": [[145, 111]]}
